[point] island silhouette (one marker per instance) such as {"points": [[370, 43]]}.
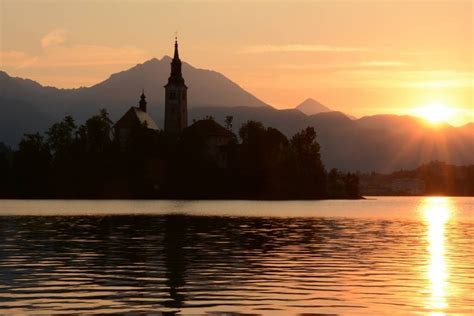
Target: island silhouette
{"points": [[135, 158]]}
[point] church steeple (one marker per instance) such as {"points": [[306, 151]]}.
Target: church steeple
{"points": [[176, 107], [142, 102], [176, 53], [176, 77]]}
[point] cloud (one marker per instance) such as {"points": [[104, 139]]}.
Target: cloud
{"points": [[439, 80], [341, 66], [57, 54], [53, 38], [300, 48], [310, 66], [383, 63], [15, 59], [418, 79], [91, 55]]}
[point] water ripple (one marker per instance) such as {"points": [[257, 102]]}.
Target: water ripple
{"points": [[182, 264]]}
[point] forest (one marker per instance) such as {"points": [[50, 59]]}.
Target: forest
{"points": [[87, 162]]}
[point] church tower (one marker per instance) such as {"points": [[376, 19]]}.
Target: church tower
{"points": [[176, 108]]}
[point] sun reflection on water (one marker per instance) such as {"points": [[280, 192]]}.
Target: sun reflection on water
{"points": [[437, 212]]}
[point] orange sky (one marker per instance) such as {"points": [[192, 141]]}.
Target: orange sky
{"points": [[360, 57]]}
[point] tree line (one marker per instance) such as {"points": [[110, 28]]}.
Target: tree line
{"points": [[438, 178], [86, 161]]}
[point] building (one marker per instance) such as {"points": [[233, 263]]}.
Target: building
{"points": [[213, 140], [213, 136], [176, 103], [135, 117]]}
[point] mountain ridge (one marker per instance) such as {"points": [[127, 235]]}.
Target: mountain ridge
{"points": [[371, 143]]}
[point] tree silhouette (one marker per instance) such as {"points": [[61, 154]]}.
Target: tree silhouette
{"points": [[61, 137], [95, 134], [31, 166], [86, 162], [307, 162]]}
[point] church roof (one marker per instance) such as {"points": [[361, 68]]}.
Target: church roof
{"points": [[208, 128], [135, 117]]}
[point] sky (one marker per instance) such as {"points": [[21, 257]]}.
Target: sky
{"points": [[359, 57]]}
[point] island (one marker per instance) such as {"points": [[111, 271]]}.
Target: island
{"points": [[136, 159]]}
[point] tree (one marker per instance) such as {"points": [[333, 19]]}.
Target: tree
{"points": [[31, 166], [95, 134], [61, 137], [33, 146], [335, 184], [306, 148], [263, 160], [308, 166], [84, 162], [351, 185], [251, 132], [5, 169]]}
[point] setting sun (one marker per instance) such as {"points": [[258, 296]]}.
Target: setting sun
{"points": [[435, 113]]}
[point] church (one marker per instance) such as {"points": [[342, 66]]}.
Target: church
{"points": [[213, 135]]}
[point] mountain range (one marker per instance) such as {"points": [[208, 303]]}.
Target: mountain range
{"points": [[372, 143]]}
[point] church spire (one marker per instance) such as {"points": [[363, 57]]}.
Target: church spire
{"points": [[142, 102], [176, 53], [176, 77]]}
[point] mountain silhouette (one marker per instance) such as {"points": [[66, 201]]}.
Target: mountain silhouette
{"points": [[311, 106], [381, 143], [206, 87], [121, 90], [28, 106]]}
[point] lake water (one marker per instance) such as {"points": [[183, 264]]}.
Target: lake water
{"points": [[382, 256]]}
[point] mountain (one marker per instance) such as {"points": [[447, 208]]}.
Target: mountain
{"points": [[206, 87], [390, 121], [28, 106], [382, 143], [311, 106]]}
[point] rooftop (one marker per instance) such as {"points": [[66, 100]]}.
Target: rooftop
{"points": [[135, 117], [208, 127]]}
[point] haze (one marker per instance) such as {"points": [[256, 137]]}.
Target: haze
{"points": [[359, 57]]}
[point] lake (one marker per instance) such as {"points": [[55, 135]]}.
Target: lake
{"points": [[380, 256]]}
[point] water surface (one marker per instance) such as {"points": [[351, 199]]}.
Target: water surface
{"points": [[398, 256]]}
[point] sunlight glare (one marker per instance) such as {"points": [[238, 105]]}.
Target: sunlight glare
{"points": [[437, 212], [435, 113]]}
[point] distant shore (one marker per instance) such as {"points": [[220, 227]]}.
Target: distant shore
{"points": [[173, 198]]}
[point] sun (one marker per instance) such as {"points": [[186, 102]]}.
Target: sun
{"points": [[435, 113]]}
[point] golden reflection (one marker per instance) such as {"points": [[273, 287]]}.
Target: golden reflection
{"points": [[437, 211]]}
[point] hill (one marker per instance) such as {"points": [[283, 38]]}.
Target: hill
{"points": [[311, 106]]}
